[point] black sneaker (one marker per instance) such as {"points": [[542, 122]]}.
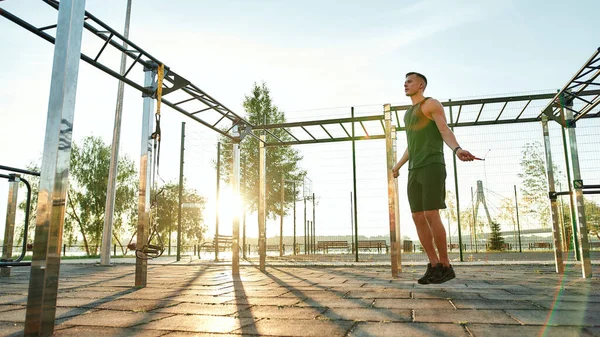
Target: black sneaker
{"points": [[442, 274], [428, 274]]}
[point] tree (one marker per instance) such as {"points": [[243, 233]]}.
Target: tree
{"points": [[35, 183], [88, 181], [126, 202], [535, 192], [281, 160], [564, 210], [466, 219], [450, 211], [508, 213], [495, 240], [592, 216], [534, 187], [166, 201]]}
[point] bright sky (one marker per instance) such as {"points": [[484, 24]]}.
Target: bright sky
{"points": [[312, 55]]}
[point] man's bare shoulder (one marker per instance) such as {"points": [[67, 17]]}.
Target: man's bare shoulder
{"points": [[430, 106], [431, 102]]}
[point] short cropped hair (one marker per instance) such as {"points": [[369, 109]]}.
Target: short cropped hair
{"points": [[419, 75]]}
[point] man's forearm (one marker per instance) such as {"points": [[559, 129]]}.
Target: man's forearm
{"points": [[402, 160], [449, 139]]}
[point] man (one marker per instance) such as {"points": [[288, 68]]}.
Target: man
{"points": [[426, 131]]}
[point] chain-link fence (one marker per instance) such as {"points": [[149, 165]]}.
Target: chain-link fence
{"points": [[501, 203]]}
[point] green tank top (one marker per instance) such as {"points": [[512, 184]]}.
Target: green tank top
{"points": [[425, 143]]}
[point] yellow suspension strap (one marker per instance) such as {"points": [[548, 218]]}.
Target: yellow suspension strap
{"points": [[161, 76], [157, 134]]}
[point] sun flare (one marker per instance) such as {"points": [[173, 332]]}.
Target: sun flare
{"points": [[230, 205]]}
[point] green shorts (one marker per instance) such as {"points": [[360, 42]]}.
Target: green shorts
{"points": [[427, 188]]}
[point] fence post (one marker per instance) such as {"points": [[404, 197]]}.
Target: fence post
{"points": [[281, 250], [460, 245], [354, 188], [518, 222]]}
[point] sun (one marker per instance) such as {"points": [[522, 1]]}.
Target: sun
{"points": [[230, 205]]}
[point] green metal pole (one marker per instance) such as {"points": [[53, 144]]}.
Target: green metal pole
{"points": [[474, 231], [305, 224], [281, 215], [354, 187], [518, 223], [217, 204], [352, 221], [180, 191], [460, 246], [294, 218], [313, 225]]}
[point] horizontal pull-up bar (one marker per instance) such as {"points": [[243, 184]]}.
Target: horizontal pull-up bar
{"points": [[15, 264], [584, 192], [18, 170], [595, 189]]}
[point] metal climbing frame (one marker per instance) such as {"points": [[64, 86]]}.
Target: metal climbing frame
{"points": [[72, 24], [374, 127], [574, 97], [191, 101], [187, 98], [568, 106]]}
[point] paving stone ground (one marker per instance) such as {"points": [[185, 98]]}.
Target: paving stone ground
{"points": [[204, 299]]}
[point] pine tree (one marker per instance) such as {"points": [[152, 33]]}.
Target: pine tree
{"points": [[534, 187], [495, 240], [280, 160]]}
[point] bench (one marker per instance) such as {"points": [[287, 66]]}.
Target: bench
{"points": [[225, 242], [540, 245], [274, 248], [407, 246], [374, 244], [505, 246], [326, 245]]}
